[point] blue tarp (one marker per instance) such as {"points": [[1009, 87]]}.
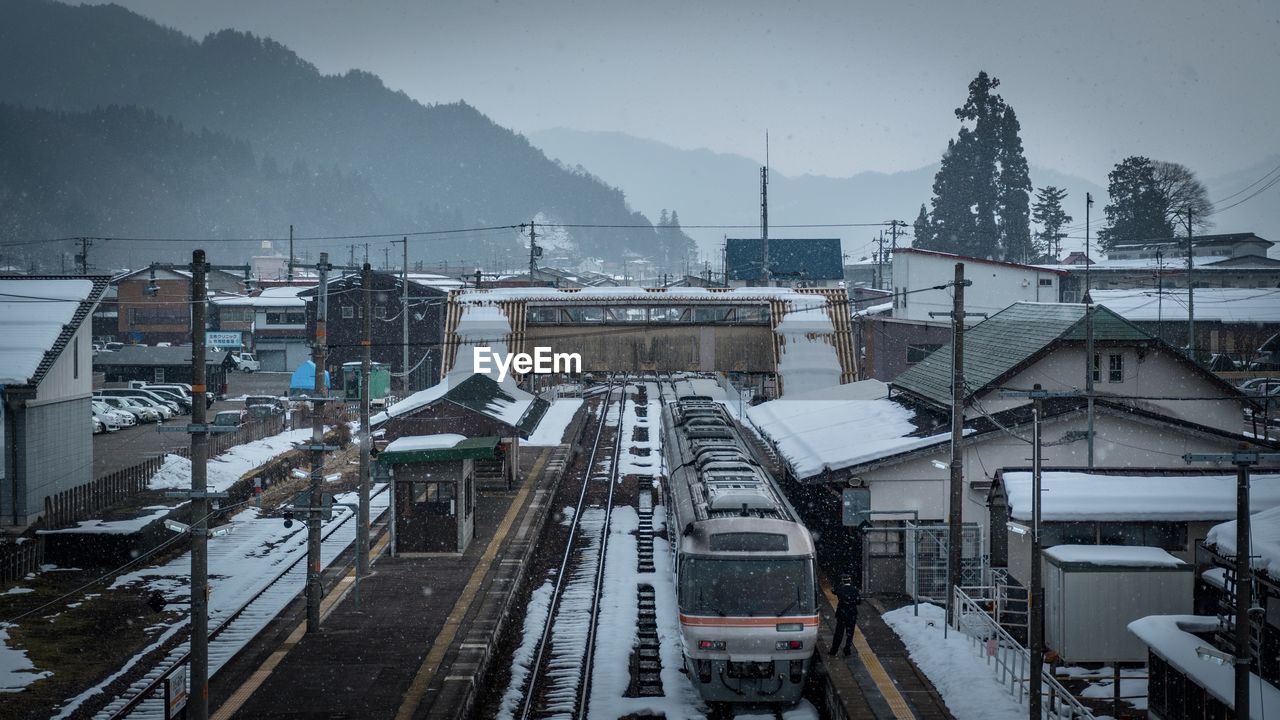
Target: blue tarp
{"points": [[304, 379]]}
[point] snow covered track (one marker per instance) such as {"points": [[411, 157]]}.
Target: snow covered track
{"points": [[239, 625], [559, 682]]}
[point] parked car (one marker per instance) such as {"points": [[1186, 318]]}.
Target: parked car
{"points": [[270, 416], [229, 418], [98, 427], [1254, 386], [112, 419], [245, 362], [171, 406], [140, 411], [272, 400]]}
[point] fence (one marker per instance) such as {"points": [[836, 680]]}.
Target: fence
{"points": [[74, 504], [927, 559], [1007, 658], [18, 559]]}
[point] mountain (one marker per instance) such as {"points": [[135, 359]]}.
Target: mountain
{"points": [[431, 167], [1261, 212], [721, 189]]}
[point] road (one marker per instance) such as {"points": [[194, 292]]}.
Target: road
{"points": [[130, 446]]}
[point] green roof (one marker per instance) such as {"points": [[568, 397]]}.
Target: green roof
{"points": [[1009, 339], [476, 448]]}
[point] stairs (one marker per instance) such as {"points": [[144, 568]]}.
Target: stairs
{"points": [[491, 476]]}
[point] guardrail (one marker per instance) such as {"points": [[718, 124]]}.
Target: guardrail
{"points": [[1008, 659]]}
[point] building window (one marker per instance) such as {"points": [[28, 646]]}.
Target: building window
{"points": [[348, 312], [380, 312], [1115, 368], [1097, 368], [159, 375], [917, 353], [289, 317], [884, 543], [1046, 282]]}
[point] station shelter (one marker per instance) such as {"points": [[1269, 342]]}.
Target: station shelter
{"points": [[434, 485]]}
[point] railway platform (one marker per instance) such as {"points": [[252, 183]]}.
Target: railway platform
{"points": [[416, 639]]}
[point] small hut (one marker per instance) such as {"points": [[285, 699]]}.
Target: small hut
{"points": [[434, 485]]}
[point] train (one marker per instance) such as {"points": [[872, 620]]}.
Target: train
{"points": [[745, 564]]}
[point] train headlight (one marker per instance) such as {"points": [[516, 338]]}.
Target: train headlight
{"points": [[711, 645], [788, 645], [789, 627]]}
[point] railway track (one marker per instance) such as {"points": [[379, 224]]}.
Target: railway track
{"points": [[559, 681], [145, 697]]}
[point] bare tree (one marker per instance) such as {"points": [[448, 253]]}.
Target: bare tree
{"points": [[1182, 191]]}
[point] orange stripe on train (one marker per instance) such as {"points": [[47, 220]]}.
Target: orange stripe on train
{"points": [[705, 621]]}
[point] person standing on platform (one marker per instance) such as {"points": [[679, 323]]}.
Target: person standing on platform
{"points": [[847, 598]]}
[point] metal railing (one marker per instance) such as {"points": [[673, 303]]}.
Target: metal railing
{"points": [[1008, 659]]}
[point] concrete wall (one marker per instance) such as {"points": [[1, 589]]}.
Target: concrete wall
{"points": [[72, 373], [53, 451], [737, 348], [995, 286]]}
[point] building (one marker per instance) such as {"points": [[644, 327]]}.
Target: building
{"points": [[793, 262], [434, 477], [274, 321], [893, 441], [1217, 247], [345, 324], [160, 365], [1231, 321], [154, 303], [46, 381]]}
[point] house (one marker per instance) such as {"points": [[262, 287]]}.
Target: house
{"points": [[434, 479], [1228, 320], [345, 324], [160, 365], [1189, 656], [46, 381], [154, 303], [274, 320], [793, 262], [1217, 247], [893, 441]]}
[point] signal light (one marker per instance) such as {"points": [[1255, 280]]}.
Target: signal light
{"points": [[288, 518]]}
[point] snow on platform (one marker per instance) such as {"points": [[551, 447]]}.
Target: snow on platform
{"points": [[552, 426], [1171, 637], [1070, 495], [1113, 555], [812, 430]]}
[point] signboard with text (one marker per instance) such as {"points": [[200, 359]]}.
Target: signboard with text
{"points": [[225, 340]]}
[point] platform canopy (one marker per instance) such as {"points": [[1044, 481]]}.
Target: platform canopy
{"points": [[438, 448]]}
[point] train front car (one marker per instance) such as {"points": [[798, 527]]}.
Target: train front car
{"points": [[747, 613], [744, 563]]}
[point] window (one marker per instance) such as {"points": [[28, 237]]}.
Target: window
{"points": [[1097, 365], [1046, 282], [1115, 368], [884, 543], [348, 312], [380, 312], [286, 317], [1068, 533], [159, 375], [917, 353]]}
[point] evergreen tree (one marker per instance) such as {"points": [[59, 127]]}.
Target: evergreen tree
{"points": [[923, 230], [1050, 216], [1138, 209], [981, 191]]}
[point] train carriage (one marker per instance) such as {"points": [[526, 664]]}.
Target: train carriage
{"points": [[744, 562]]}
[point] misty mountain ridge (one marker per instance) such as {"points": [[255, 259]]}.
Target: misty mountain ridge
{"points": [[430, 167], [712, 188]]}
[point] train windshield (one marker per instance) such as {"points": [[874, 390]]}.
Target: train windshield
{"points": [[758, 587]]}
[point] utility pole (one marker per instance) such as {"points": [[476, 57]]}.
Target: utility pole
{"points": [[404, 316], [956, 485], [83, 255], [1191, 291], [1159, 294], [1243, 460], [386, 257], [1091, 365], [362, 530], [317, 447], [533, 250], [1035, 631], [351, 255], [879, 262], [1088, 203], [198, 705], [893, 243], [764, 222], [290, 275]]}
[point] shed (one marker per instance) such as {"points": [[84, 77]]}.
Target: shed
{"points": [[160, 365], [434, 497], [1093, 592]]}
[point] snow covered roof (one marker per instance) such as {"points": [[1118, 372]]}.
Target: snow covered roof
{"points": [[1171, 637], [1113, 556], [1232, 305], [808, 359], [282, 296], [38, 317], [425, 442], [480, 393], [815, 431], [639, 294], [1264, 536], [1083, 496]]}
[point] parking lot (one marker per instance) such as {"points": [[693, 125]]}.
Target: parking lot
{"points": [[130, 446]]}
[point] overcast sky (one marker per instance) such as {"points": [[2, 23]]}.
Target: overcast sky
{"points": [[841, 86]]}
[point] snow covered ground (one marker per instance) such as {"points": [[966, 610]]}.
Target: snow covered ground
{"points": [[963, 678], [551, 429], [16, 671]]}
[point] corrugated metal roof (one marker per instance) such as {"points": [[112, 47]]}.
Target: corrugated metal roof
{"points": [[1005, 341]]}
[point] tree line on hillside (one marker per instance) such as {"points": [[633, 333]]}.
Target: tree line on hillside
{"points": [[981, 204], [410, 166]]}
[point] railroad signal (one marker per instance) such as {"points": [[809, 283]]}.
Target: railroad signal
{"points": [[156, 601]]}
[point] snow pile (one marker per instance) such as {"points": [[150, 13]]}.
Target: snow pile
{"points": [[967, 684], [1170, 637], [636, 464], [31, 326], [1264, 536], [425, 442], [16, 671], [535, 619], [1113, 555], [1083, 496], [808, 355], [551, 428], [814, 434], [150, 514], [420, 399]]}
